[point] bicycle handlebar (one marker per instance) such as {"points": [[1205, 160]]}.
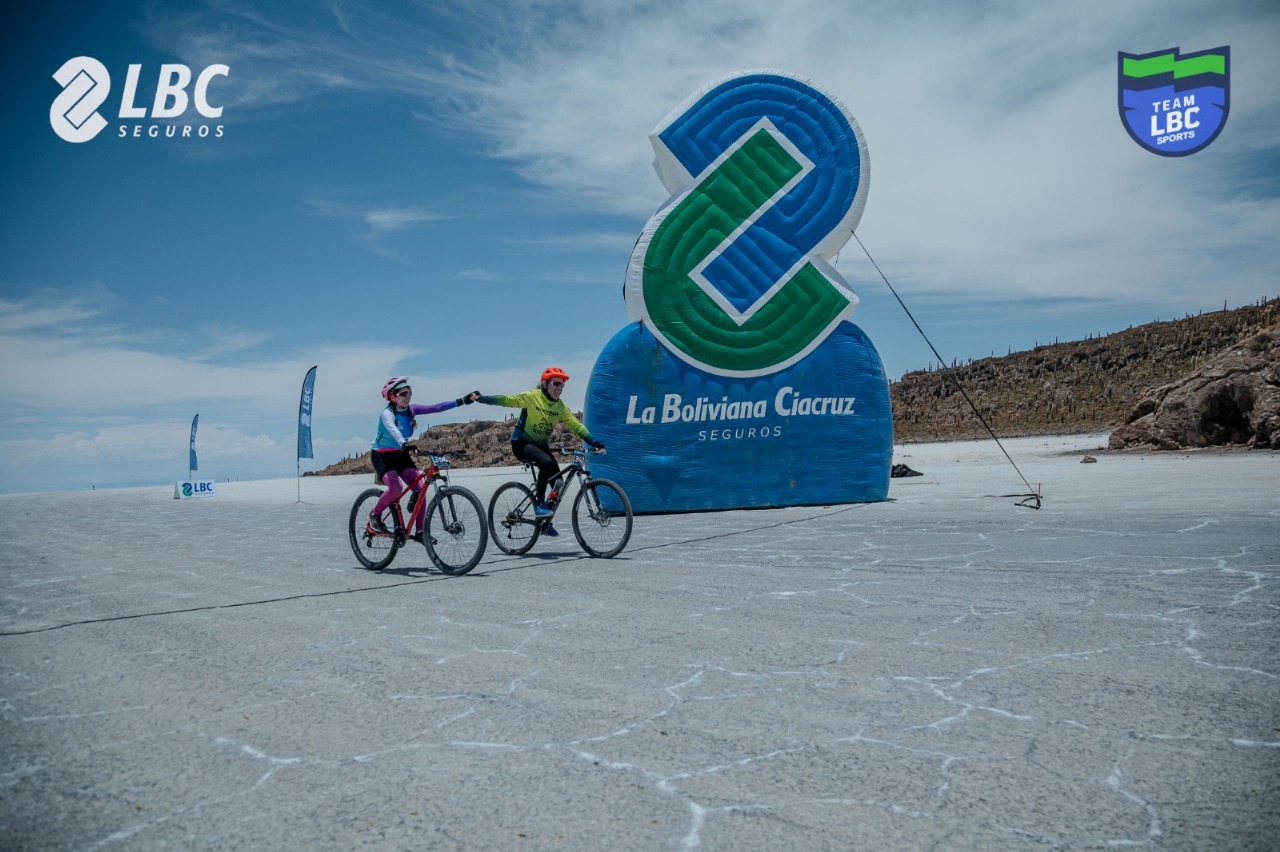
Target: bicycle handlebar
{"points": [[568, 451], [438, 458]]}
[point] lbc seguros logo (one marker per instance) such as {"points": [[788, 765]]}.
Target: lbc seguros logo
{"points": [[768, 177], [86, 85]]}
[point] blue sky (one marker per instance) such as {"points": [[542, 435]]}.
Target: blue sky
{"points": [[451, 191]]}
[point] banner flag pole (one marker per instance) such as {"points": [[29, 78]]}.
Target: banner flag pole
{"points": [[192, 466], [304, 424]]}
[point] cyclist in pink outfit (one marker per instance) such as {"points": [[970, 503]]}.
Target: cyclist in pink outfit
{"points": [[390, 456]]}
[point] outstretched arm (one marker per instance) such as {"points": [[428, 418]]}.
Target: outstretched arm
{"points": [[434, 408], [505, 400], [576, 427]]}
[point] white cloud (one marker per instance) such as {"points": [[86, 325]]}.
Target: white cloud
{"points": [[120, 423], [222, 340], [49, 312], [385, 220], [127, 375], [1000, 167], [143, 443], [378, 221]]}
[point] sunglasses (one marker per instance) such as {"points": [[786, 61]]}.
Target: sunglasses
{"points": [[556, 384], [405, 392]]}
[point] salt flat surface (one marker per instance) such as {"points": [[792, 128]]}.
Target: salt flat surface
{"points": [[945, 670]]}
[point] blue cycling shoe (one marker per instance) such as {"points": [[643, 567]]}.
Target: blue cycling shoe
{"points": [[542, 510]]}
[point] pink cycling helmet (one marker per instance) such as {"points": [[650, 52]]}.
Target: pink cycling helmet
{"points": [[394, 384]]}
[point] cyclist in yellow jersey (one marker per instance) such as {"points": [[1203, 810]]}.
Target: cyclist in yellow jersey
{"points": [[541, 409]]}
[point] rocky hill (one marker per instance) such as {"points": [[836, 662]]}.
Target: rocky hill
{"points": [[479, 443], [1096, 385], [1088, 385], [1231, 400]]}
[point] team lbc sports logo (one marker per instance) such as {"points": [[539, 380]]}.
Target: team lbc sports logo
{"points": [[1174, 105], [86, 85]]}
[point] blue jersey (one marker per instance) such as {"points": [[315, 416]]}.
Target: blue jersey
{"points": [[396, 424]]}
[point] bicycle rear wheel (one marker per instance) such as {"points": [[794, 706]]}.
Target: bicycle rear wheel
{"points": [[455, 535], [602, 518], [374, 550], [511, 522]]}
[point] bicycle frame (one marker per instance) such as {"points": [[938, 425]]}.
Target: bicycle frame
{"points": [[436, 475], [577, 469], [515, 525], [448, 520]]}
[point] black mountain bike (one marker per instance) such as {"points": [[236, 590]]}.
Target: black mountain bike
{"points": [[601, 511], [451, 526]]}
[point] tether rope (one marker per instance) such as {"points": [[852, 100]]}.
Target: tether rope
{"points": [[1032, 497]]}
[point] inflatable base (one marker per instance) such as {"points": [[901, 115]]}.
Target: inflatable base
{"points": [[682, 440]]}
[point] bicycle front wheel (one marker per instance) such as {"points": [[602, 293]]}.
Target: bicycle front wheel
{"points": [[602, 518], [511, 521], [455, 536], [374, 550]]}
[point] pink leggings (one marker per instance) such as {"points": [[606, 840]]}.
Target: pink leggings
{"points": [[395, 487]]}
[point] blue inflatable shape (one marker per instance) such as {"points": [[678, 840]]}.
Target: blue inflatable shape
{"points": [[741, 381], [683, 440]]}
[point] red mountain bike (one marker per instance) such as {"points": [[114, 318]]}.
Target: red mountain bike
{"points": [[451, 524]]}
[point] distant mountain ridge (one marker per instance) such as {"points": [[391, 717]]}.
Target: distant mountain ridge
{"points": [[1090, 385], [1068, 388]]}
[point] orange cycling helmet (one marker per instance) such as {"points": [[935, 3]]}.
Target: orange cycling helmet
{"points": [[555, 373]]}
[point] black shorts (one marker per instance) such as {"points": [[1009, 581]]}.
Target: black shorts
{"points": [[533, 453], [385, 461]]}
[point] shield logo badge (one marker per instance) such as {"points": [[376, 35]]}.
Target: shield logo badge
{"points": [[1173, 104]]}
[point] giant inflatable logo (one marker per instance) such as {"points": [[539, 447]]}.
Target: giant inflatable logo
{"points": [[741, 381]]}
